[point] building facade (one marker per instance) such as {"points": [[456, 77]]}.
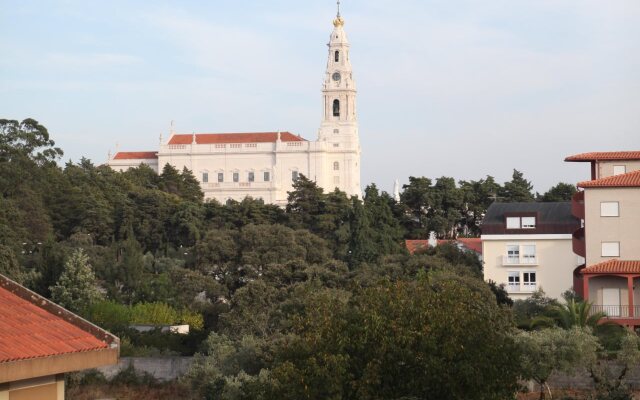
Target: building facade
{"points": [[609, 206], [528, 246], [265, 164]]}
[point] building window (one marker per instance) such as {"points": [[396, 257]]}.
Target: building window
{"points": [[513, 222], [529, 281], [236, 177], [336, 131], [205, 177], [529, 254], [295, 175], [336, 166], [337, 56], [609, 209], [619, 169], [513, 254], [267, 176], [514, 281], [528, 222], [251, 177], [336, 108], [610, 249], [220, 177]]}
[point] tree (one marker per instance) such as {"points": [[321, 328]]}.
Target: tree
{"points": [[518, 189], [362, 248], [387, 233], [560, 192], [445, 340], [574, 314], [417, 199], [549, 350], [477, 197], [77, 287]]}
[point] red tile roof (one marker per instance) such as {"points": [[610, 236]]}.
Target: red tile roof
{"points": [[614, 266], [257, 137], [630, 179], [605, 155], [28, 331], [474, 244], [135, 155], [415, 245]]}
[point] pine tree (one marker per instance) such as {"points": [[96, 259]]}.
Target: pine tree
{"points": [[518, 190], [77, 287]]}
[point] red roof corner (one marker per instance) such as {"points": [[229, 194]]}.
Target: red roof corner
{"points": [[605, 155], [39, 338], [615, 266], [630, 179]]}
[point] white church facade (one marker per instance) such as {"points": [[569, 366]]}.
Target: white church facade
{"points": [[265, 164]]}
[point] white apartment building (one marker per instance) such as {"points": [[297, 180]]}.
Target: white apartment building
{"points": [[528, 246], [265, 164]]}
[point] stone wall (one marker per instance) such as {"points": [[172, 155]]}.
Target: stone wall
{"points": [[161, 368]]}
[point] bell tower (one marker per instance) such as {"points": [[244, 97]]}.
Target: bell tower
{"points": [[339, 116]]}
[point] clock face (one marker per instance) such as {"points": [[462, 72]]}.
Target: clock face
{"points": [[336, 76]]}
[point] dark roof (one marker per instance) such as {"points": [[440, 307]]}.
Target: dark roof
{"points": [[549, 213], [551, 218]]}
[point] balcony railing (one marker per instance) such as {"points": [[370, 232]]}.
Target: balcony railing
{"points": [[520, 260], [615, 311], [525, 287]]}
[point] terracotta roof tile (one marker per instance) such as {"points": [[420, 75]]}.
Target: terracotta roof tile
{"points": [[614, 266], [415, 245], [630, 179], [255, 137], [28, 331], [135, 155], [605, 155]]}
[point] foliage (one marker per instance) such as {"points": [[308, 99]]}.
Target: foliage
{"points": [[77, 287], [554, 349], [560, 192], [610, 379], [571, 314], [114, 315], [393, 340]]}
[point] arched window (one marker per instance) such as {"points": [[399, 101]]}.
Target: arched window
{"points": [[336, 166], [336, 108], [337, 56]]}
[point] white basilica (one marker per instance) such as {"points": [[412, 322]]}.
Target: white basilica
{"points": [[265, 164]]}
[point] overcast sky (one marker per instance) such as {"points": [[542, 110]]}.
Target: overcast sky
{"points": [[461, 88]]}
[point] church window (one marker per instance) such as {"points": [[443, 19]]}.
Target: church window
{"points": [[251, 177], [337, 56], [336, 166], [336, 131], [267, 176], [336, 108], [220, 177], [205, 177], [236, 177], [295, 175]]}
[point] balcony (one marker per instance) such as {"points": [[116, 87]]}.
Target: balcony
{"points": [[614, 312], [523, 288], [520, 260], [578, 243], [577, 205]]}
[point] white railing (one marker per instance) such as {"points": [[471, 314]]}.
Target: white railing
{"points": [[525, 287], [520, 260]]}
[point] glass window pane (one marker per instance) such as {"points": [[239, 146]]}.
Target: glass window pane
{"points": [[220, 177], [205, 177], [251, 177], [266, 176], [236, 177], [609, 209], [528, 222], [610, 249], [513, 222]]}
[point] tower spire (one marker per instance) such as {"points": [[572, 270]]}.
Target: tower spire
{"points": [[338, 15]]}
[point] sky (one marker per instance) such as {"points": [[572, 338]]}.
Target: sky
{"points": [[459, 88]]}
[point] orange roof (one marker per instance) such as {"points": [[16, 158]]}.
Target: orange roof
{"points": [[29, 331], [614, 266], [605, 155], [630, 179], [415, 245], [257, 137], [135, 155], [474, 244]]}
